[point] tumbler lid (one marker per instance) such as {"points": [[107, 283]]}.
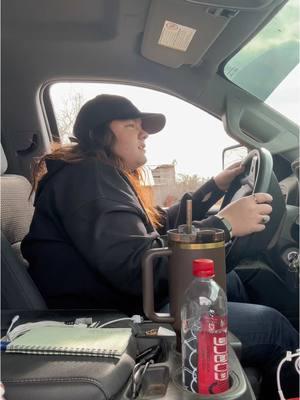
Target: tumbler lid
{"points": [[207, 235], [203, 268]]}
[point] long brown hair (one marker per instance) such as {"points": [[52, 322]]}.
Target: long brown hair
{"points": [[99, 146]]}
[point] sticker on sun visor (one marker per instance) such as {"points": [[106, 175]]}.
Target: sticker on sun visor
{"points": [[176, 36]]}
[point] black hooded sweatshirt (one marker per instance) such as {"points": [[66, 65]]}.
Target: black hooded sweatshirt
{"points": [[89, 232]]}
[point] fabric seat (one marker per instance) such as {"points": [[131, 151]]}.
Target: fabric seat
{"points": [[18, 289]]}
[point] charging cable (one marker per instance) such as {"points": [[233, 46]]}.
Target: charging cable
{"points": [[13, 321], [22, 328], [137, 319], [289, 356], [13, 333]]}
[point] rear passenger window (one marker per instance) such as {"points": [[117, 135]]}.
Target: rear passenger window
{"points": [[180, 158]]}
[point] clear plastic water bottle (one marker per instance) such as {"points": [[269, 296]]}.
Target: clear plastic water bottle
{"points": [[204, 334]]}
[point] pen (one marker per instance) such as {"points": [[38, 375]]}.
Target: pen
{"points": [[4, 344]]}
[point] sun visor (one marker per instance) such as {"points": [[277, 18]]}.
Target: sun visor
{"points": [[178, 32]]}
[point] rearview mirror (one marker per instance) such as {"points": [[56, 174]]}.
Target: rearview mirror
{"points": [[233, 154]]}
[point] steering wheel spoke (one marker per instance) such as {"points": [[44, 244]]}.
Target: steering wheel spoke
{"points": [[244, 190]]}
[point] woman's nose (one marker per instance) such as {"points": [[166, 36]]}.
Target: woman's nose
{"points": [[143, 134]]}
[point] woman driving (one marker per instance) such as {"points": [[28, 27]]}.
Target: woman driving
{"points": [[93, 221]]}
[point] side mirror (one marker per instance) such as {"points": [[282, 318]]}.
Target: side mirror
{"points": [[233, 154]]}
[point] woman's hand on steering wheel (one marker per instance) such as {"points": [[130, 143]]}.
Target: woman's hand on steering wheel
{"points": [[225, 177], [248, 214]]}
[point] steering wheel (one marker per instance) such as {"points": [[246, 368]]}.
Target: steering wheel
{"points": [[257, 177]]}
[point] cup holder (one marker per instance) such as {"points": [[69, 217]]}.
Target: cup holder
{"points": [[155, 382], [233, 383]]}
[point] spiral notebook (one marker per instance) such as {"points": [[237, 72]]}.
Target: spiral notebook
{"points": [[71, 340]]}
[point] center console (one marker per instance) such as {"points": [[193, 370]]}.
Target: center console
{"points": [[149, 369]]}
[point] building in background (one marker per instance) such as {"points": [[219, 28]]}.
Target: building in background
{"points": [[164, 174], [166, 188], [164, 184]]}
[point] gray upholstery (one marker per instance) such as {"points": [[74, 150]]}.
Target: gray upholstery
{"points": [[18, 289], [16, 207]]}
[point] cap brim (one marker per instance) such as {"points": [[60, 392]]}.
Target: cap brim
{"points": [[153, 123]]}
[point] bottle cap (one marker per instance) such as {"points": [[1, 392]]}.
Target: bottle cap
{"points": [[203, 268]]}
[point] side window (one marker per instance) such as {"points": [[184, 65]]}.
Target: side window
{"points": [[180, 158]]}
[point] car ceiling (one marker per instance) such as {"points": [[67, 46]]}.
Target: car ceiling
{"points": [[116, 41]]}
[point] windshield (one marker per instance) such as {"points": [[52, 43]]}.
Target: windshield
{"points": [[268, 66]]}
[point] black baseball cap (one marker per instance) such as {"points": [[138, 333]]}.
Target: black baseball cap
{"points": [[105, 108]]}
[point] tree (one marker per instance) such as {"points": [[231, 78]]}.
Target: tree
{"points": [[190, 182], [65, 116], [184, 183]]}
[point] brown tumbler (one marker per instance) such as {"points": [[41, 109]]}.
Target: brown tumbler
{"points": [[182, 249]]}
